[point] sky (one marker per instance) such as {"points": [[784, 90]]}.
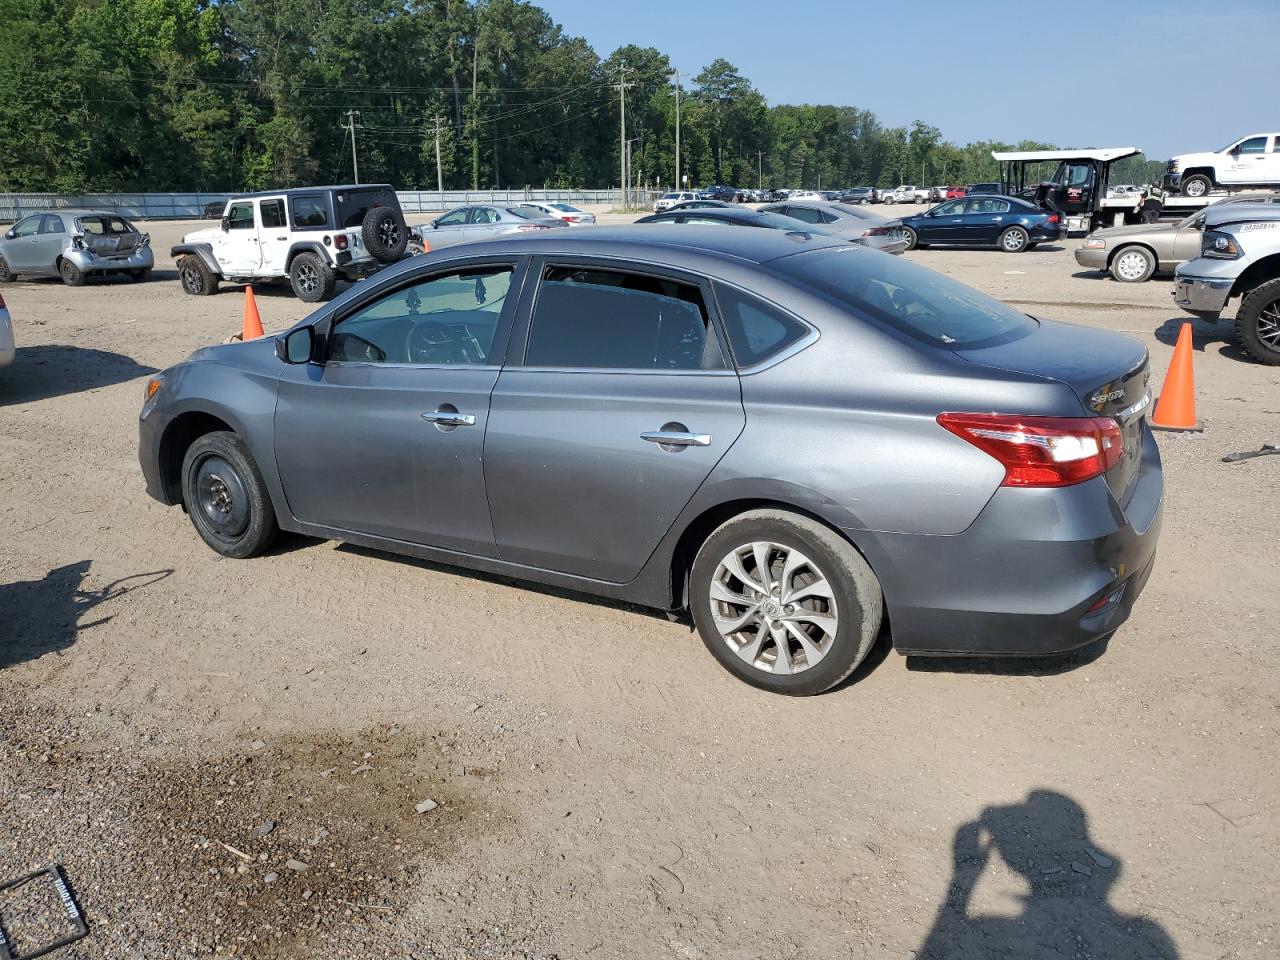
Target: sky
{"points": [[1169, 77]]}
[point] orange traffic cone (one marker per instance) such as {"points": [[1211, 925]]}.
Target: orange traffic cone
{"points": [[1176, 408], [252, 322]]}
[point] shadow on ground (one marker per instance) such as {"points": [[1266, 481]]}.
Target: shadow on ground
{"points": [[1203, 334], [54, 370], [1045, 844], [45, 616]]}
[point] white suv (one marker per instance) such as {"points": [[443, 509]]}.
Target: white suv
{"points": [[309, 236], [1253, 161]]}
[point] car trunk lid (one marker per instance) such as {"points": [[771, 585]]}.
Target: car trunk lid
{"points": [[1108, 373], [104, 241]]}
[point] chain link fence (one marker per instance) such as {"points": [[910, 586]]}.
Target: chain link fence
{"points": [[193, 206]]}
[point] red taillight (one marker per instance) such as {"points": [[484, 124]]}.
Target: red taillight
{"points": [[1042, 451], [877, 232], [340, 241], [1054, 218], [569, 218], [1, 301]]}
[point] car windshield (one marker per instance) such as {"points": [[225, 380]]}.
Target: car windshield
{"points": [[672, 196], [920, 303]]}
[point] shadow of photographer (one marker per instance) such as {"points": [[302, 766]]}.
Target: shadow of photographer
{"points": [[1045, 841]]}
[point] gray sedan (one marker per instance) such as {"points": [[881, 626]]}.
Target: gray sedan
{"points": [[1135, 253], [74, 245], [786, 435], [484, 222], [847, 221]]}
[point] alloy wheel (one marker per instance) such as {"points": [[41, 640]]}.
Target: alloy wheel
{"points": [[191, 279], [1195, 188], [1014, 241], [389, 233], [1269, 325], [308, 278], [774, 608], [1131, 265]]}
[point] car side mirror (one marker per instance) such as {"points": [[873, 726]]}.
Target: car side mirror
{"points": [[226, 224], [11, 234], [296, 346]]}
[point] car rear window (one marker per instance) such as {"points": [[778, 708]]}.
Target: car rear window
{"points": [[916, 301], [107, 225]]}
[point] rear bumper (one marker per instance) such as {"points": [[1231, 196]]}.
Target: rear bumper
{"points": [[1039, 572], [86, 262]]}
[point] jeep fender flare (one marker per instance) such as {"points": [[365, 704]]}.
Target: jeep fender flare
{"points": [[202, 250], [306, 246]]}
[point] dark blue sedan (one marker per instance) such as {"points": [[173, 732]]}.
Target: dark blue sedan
{"points": [[1012, 225]]}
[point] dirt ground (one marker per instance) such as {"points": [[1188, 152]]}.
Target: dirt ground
{"points": [[229, 757]]}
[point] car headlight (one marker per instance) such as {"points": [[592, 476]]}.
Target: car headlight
{"points": [[1095, 243], [1221, 246]]}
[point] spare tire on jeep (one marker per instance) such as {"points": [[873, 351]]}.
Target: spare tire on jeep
{"points": [[385, 234]]}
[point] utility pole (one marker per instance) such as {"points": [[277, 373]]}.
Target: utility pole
{"points": [[622, 129], [351, 128], [439, 168], [679, 181], [759, 170]]}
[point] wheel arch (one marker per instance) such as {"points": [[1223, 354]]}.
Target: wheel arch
{"points": [[701, 526], [1133, 243], [305, 246], [201, 250], [1260, 272], [1201, 171], [182, 431]]}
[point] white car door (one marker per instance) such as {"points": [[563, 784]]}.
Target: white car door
{"points": [[1271, 162], [1246, 162], [273, 237], [239, 253]]}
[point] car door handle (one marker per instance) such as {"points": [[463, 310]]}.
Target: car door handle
{"points": [[677, 438], [448, 418], [996, 219], [282, 238], [957, 221]]}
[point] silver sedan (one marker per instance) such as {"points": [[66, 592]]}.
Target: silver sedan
{"points": [[847, 222], [74, 245], [483, 222]]}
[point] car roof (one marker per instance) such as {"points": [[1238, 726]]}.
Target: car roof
{"points": [[1217, 214], [74, 212], [661, 242], [292, 191]]}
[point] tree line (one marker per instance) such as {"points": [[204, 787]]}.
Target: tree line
{"points": [[221, 95]]}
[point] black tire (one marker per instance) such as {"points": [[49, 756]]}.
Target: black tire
{"points": [[385, 234], [226, 498], [141, 275], [1132, 264], [6, 275], [1014, 239], [71, 275], [197, 279], [1258, 323], [856, 601], [1196, 185], [911, 237], [312, 278]]}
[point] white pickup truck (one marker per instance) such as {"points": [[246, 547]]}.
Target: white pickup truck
{"points": [[1252, 161]]}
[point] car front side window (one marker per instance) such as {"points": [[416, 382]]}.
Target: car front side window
{"points": [[446, 319], [605, 319], [240, 216], [455, 218], [28, 227], [1253, 145]]}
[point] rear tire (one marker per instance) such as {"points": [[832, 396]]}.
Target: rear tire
{"points": [[1133, 264], [226, 498], [197, 279], [1014, 240], [312, 278], [385, 234], [1196, 185], [799, 647], [1258, 323], [71, 275]]}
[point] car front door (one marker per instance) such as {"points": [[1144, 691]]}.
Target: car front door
{"points": [[1271, 163], [385, 436], [620, 406], [20, 250], [1246, 162], [449, 229], [940, 224], [273, 236], [238, 251]]}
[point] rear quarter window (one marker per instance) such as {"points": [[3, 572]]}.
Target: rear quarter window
{"points": [[309, 211], [757, 330]]}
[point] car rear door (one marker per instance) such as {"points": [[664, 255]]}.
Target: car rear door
{"points": [[49, 241], [982, 220], [616, 404], [273, 235], [386, 436]]}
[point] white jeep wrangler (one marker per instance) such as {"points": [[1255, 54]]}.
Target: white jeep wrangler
{"points": [[308, 236], [1252, 161]]}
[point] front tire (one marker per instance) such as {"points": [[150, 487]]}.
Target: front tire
{"points": [[784, 603], [71, 275], [226, 498], [1196, 185], [911, 237], [1133, 264], [1014, 240], [1258, 323], [312, 278], [6, 275], [197, 279]]}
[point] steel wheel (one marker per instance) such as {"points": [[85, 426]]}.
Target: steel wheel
{"points": [[774, 608], [221, 498], [1195, 187]]}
